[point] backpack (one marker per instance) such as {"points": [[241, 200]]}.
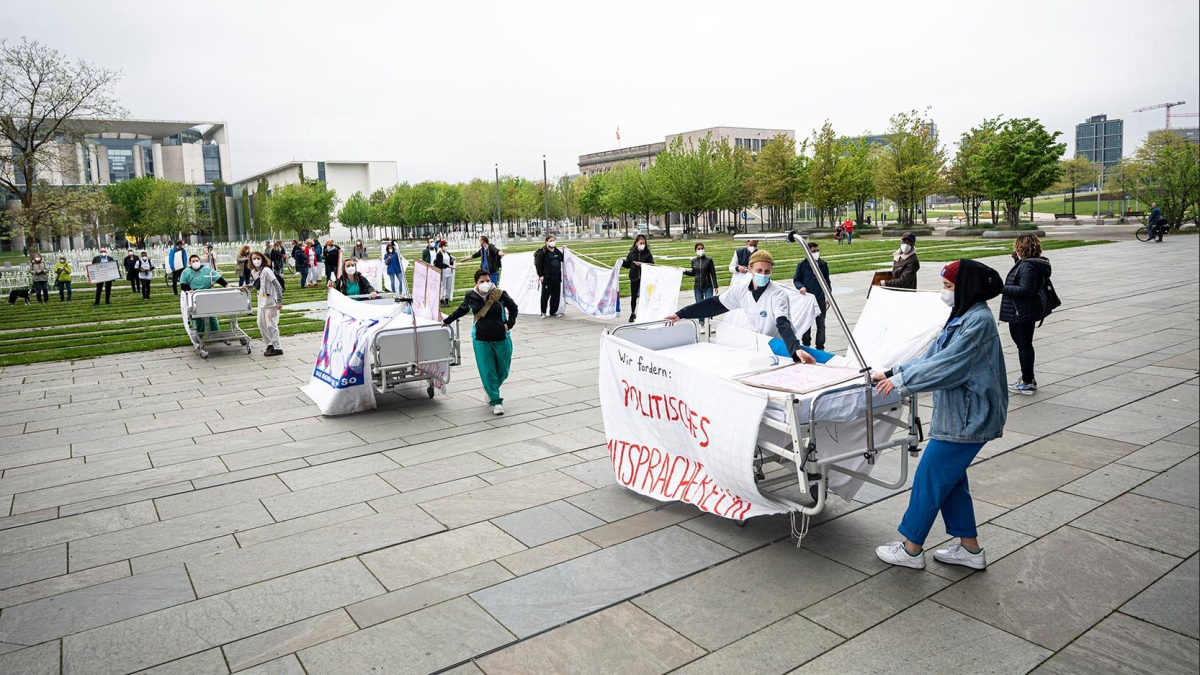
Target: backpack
{"points": [[1049, 299]]}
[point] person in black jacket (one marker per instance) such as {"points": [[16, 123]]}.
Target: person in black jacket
{"points": [[1156, 225], [490, 259], [350, 282], [805, 279], [495, 317], [130, 263], [639, 253], [548, 261], [705, 273], [300, 260], [1021, 304], [106, 286]]}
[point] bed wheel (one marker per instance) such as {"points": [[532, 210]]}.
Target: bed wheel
{"points": [[203, 354], [248, 349], [429, 390], [243, 342], [740, 523]]}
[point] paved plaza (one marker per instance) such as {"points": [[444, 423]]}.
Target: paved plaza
{"points": [[165, 514]]}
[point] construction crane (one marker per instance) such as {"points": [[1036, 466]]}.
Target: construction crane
{"points": [[1168, 106]]}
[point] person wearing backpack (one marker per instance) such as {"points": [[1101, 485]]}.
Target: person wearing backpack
{"points": [[1023, 303], [495, 317]]}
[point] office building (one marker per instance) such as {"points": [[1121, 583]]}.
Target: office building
{"points": [[753, 139], [1100, 140], [1189, 133], [885, 139], [344, 177]]}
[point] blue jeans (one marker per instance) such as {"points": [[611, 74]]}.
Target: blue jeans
{"points": [[702, 295], [396, 281], [940, 484], [495, 277]]}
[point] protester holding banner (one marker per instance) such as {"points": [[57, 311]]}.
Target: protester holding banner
{"points": [[705, 273], [495, 316], [490, 259], [177, 259], [270, 301], [350, 283], [62, 277], [766, 305], [106, 286], [548, 262], [445, 262], [964, 368], [198, 277], [639, 253]]}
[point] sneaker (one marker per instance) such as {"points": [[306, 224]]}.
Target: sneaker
{"points": [[545, 315], [894, 553], [1025, 389], [497, 409], [957, 554]]}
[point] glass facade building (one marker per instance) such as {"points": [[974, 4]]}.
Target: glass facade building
{"points": [[1100, 140]]}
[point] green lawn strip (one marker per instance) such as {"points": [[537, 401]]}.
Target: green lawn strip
{"points": [[36, 342], [111, 330]]}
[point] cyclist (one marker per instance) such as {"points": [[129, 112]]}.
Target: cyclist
{"points": [[1155, 227]]}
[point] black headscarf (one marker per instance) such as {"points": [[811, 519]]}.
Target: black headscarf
{"points": [[974, 283]]}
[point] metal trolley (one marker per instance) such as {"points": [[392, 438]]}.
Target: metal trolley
{"points": [[411, 350], [220, 304]]}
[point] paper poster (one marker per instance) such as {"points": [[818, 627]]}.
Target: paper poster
{"points": [[659, 294], [427, 286], [800, 378], [591, 288], [520, 281], [341, 378], [896, 325], [679, 434], [372, 271], [98, 273]]}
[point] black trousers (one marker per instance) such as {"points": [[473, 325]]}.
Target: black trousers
{"points": [[551, 294], [107, 288], [175, 281], [635, 287], [806, 339], [1022, 336], [144, 285], [136, 284]]}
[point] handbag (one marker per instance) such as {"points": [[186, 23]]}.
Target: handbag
{"points": [[1049, 300]]}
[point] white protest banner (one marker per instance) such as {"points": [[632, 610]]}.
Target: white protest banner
{"points": [[593, 289], [341, 379], [675, 433], [427, 286], [372, 271], [520, 281], [98, 273], [659, 295], [803, 309]]}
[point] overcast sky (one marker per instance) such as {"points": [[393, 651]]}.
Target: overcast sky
{"points": [[446, 89]]}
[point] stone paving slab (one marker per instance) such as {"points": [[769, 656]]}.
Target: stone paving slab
{"points": [[1121, 644]]}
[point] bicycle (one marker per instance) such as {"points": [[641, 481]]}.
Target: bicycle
{"points": [[1143, 232]]}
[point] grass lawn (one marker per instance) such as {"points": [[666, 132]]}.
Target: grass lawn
{"points": [[77, 329]]}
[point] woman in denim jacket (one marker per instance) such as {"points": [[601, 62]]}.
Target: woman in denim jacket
{"points": [[964, 368]]}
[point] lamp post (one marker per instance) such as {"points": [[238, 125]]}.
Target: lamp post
{"points": [[498, 195], [546, 194]]}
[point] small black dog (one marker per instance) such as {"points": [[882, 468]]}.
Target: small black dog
{"points": [[18, 293]]}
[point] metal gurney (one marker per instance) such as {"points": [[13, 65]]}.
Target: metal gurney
{"points": [[211, 306], [413, 349]]}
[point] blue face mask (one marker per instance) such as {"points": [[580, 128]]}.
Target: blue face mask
{"points": [[761, 280]]}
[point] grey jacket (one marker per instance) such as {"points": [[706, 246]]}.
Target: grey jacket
{"points": [[967, 378]]}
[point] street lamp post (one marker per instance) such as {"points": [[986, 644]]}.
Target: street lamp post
{"points": [[498, 222], [546, 194]]}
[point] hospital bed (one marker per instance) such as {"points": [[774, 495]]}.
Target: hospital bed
{"points": [[412, 349], [222, 304]]}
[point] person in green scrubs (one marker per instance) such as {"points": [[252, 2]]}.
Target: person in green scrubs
{"points": [[199, 277]]}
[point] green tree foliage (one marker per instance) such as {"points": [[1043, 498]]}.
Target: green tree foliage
{"points": [[592, 196], [130, 197], [419, 206], [690, 178], [963, 177], [305, 209], [1074, 174], [479, 201], [220, 219], [858, 169], [355, 213], [262, 214], [1165, 170], [910, 165], [827, 180], [629, 190], [737, 167], [567, 192], [778, 179], [449, 206], [1020, 163]]}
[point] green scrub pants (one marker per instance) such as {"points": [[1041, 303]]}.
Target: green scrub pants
{"points": [[493, 360], [208, 325]]}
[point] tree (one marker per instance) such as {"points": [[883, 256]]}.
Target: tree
{"points": [[778, 177], [168, 208], [355, 213], [220, 219], [305, 209], [735, 167], [1165, 170], [1075, 173], [826, 180], [97, 214], [962, 177], [1020, 163], [910, 165], [130, 196], [43, 98], [689, 176], [262, 214], [859, 166], [567, 191], [450, 206]]}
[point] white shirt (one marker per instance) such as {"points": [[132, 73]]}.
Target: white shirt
{"points": [[760, 314]]}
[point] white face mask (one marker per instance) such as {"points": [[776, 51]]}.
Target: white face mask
{"points": [[196, 265], [948, 298], [752, 249], [551, 243], [641, 247], [905, 249], [350, 270], [103, 252], [257, 262], [484, 287], [699, 253], [816, 255]]}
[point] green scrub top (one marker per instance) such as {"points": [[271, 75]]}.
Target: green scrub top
{"points": [[199, 280], [351, 287]]}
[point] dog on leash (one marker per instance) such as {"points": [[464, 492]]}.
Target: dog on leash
{"points": [[18, 293]]}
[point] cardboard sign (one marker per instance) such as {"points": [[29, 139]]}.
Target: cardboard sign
{"points": [[426, 290], [98, 273], [659, 294]]}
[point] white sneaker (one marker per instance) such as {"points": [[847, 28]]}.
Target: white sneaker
{"points": [[497, 409], [894, 553], [545, 315], [956, 554]]}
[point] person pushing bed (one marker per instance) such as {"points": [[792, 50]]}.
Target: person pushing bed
{"points": [[766, 304]]}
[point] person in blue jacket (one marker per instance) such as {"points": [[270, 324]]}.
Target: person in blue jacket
{"points": [[300, 258], [395, 271], [964, 368], [177, 262]]}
